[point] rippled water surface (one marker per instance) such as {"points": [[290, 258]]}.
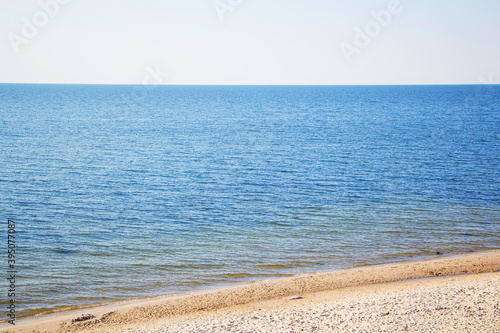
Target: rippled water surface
{"points": [[122, 191]]}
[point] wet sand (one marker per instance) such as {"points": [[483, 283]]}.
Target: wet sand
{"points": [[445, 294]]}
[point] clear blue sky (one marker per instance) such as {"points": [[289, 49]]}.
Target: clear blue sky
{"points": [[250, 41]]}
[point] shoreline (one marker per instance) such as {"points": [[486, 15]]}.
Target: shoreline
{"points": [[63, 309], [169, 306]]}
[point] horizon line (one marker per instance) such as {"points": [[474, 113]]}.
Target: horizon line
{"points": [[252, 85]]}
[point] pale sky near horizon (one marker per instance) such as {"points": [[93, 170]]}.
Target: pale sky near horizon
{"points": [[250, 41]]}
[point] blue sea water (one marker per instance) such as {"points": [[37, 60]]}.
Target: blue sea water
{"points": [[129, 191]]}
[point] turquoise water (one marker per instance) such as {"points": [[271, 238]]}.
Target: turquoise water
{"points": [[123, 191]]}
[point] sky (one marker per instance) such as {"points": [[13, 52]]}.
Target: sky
{"points": [[299, 42]]}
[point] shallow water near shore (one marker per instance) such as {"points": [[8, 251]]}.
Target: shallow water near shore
{"points": [[118, 195]]}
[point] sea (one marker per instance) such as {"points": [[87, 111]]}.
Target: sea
{"points": [[120, 192]]}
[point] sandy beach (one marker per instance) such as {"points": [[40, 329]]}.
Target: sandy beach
{"points": [[444, 294]]}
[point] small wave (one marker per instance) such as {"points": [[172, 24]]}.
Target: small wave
{"points": [[64, 251], [271, 266]]}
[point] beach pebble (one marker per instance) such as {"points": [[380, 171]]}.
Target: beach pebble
{"points": [[83, 317]]}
